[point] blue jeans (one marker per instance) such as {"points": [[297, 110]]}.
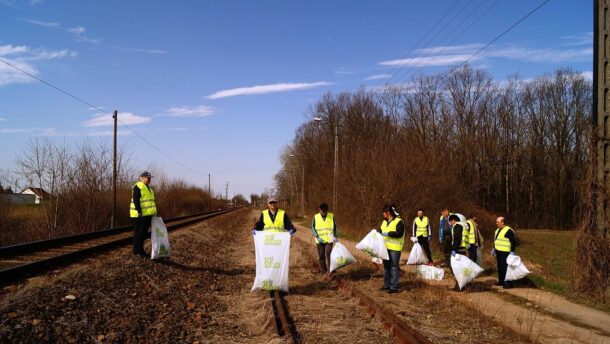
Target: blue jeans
{"points": [[391, 270]]}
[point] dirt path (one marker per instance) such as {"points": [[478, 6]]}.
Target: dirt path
{"points": [[534, 314]]}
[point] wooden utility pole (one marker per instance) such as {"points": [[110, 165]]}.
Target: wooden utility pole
{"points": [[209, 192], [601, 107], [114, 172]]}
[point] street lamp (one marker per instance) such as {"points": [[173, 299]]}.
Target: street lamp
{"points": [[336, 167], [302, 183]]}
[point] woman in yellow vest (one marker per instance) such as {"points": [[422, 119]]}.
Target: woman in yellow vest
{"points": [[505, 243], [324, 229], [142, 209], [423, 233], [474, 238], [393, 231], [273, 219]]}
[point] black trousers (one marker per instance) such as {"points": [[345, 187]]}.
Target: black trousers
{"points": [[472, 253], [425, 244], [447, 249], [140, 232], [324, 256], [502, 265]]}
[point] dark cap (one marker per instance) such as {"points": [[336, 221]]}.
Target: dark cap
{"points": [[146, 174]]}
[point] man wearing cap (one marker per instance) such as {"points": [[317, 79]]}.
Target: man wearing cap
{"points": [[273, 219], [324, 229], [142, 209]]}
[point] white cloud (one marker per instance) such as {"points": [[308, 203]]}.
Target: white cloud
{"points": [[103, 119], [140, 50], [37, 131], [3, 119], [378, 77], [451, 49], [78, 32], [189, 111], [22, 57], [585, 38], [442, 60], [264, 89], [588, 75], [541, 55], [41, 23]]}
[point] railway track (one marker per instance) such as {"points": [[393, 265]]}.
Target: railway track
{"points": [[24, 260]]}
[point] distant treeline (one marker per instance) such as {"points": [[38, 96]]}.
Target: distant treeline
{"points": [[462, 140]]}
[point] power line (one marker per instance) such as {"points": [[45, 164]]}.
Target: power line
{"points": [[99, 109], [496, 38]]}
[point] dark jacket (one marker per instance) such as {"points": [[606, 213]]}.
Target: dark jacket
{"points": [[260, 224]]}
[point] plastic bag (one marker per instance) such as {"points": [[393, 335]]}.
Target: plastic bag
{"points": [[464, 269], [430, 272], [340, 257], [272, 260], [373, 244], [516, 269], [417, 255], [159, 239]]}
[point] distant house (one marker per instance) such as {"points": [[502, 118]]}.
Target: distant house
{"points": [[38, 193], [8, 197]]}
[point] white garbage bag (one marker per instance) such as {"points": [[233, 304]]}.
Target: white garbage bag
{"points": [[373, 244], [340, 257], [464, 269], [272, 260], [430, 272], [463, 222], [516, 269], [417, 255], [159, 239]]}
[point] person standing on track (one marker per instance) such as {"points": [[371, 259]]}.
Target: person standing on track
{"points": [[505, 243], [273, 219], [474, 238], [141, 210], [423, 232], [324, 229], [444, 235], [393, 231]]}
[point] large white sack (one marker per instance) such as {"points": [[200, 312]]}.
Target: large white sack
{"points": [[373, 244], [516, 269], [340, 257], [430, 272], [272, 260], [464, 269], [159, 239], [463, 222], [417, 255]]}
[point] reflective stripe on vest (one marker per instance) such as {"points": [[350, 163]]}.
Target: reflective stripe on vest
{"points": [[474, 234], [502, 243], [464, 242], [324, 227], [147, 201], [274, 226], [421, 226], [394, 244]]}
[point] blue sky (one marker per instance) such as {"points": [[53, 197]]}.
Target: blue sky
{"points": [[221, 86]]}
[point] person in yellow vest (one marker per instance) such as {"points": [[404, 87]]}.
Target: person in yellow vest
{"points": [[273, 219], [324, 229], [141, 210], [393, 231], [505, 243], [423, 233], [459, 240], [474, 238]]}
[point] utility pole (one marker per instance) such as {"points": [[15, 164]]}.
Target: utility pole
{"points": [[226, 191], [114, 171], [336, 169], [209, 192], [601, 108]]}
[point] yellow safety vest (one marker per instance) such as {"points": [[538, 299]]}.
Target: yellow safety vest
{"points": [[502, 243], [464, 242], [324, 227], [393, 244], [147, 201], [474, 237], [274, 226], [422, 226]]}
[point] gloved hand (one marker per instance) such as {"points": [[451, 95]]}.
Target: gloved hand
{"points": [[511, 254], [384, 234], [493, 252], [253, 231], [452, 253], [292, 231]]}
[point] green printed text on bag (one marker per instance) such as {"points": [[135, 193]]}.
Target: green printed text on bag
{"points": [[269, 264], [268, 285], [270, 240]]}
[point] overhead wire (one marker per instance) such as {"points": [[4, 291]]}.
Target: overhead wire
{"points": [[95, 107]]}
